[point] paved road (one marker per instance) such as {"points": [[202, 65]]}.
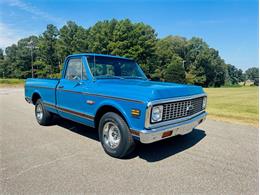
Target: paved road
{"points": [[216, 158]]}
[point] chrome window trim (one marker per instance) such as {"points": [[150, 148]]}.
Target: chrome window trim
{"points": [[148, 124]]}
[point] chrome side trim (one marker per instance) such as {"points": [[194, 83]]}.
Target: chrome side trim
{"points": [[50, 105], [79, 114], [104, 96], [148, 124], [90, 94]]}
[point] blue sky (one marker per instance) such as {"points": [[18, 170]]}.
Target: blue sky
{"points": [[230, 26]]}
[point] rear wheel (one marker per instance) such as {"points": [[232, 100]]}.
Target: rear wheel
{"points": [[115, 136], [43, 117]]}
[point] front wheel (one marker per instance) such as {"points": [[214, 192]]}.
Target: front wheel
{"points": [[115, 136], [43, 117]]}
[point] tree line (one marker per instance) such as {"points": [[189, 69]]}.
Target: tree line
{"points": [[172, 59]]}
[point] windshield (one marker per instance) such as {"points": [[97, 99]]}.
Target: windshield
{"points": [[116, 68]]}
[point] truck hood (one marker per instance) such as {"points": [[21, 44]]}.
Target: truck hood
{"points": [[144, 90]]}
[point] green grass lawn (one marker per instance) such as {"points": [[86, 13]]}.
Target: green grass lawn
{"points": [[11, 82], [238, 104]]}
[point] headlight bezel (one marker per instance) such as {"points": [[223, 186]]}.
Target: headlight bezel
{"points": [[156, 110], [204, 102]]}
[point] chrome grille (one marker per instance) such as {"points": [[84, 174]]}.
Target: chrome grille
{"points": [[180, 109]]}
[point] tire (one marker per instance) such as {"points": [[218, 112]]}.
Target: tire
{"points": [[119, 146], [42, 116]]}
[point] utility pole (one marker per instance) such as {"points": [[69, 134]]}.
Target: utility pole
{"points": [[31, 46]]}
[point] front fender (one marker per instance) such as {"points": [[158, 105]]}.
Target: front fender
{"points": [[117, 106]]}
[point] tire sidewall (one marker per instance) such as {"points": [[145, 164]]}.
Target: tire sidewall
{"points": [[123, 128], [44, 120]]}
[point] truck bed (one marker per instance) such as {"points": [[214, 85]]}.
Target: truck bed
{"points": [[46, 88]]}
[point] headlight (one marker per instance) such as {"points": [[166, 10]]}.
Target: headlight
{"points": [[157, 113], [204, 103]]}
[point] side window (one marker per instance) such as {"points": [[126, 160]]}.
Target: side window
{"points": [[84, 73], [75, 70]]}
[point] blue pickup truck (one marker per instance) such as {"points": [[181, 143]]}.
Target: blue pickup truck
{"points": [[113, 95]]}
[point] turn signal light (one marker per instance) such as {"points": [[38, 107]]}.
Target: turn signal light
{"points": [[167, 134], [135, 112]]}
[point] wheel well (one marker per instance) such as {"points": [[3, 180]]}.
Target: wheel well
{"points": [[103, 110], [35, 97]]}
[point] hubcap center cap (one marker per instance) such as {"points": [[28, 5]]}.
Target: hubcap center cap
{"points": [[111, 135], [39, 112]]}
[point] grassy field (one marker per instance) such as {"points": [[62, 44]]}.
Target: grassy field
{"points": [[11, 82], [238, 104]]}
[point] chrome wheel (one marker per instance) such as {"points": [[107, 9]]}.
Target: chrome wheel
{"points": [[111, 135], [39, 112]]}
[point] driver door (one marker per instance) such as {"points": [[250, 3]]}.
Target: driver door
{"points": [[70, 98]]}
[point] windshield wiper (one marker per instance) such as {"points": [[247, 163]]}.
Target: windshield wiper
{"points": [[134, 77], [108, 77]]}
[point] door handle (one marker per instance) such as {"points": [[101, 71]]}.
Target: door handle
{"points": [[61, 86]]}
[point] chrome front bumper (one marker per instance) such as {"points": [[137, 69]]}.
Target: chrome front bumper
{"points": [[181, 128]]}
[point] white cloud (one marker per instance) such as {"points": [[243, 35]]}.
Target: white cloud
{"points": [[33, 10], [8, 36]]}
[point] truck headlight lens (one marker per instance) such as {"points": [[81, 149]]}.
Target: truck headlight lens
{"points": [[204, 103], [157, 113]]}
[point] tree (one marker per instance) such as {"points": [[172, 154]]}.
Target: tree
{"points": [[157, 75], [175, 72], [2, 64], [1, 54], [173, 58], [196, 75], [10, 64], [48, 57], [170, 45], [72, 39], [124, 38], [100, 36], [203, 65], [253, 74], [167, 49], [2, 68], [24, 57], [234, 75]]}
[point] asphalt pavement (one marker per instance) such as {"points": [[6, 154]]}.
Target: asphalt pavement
{"points": [[215, 158]]}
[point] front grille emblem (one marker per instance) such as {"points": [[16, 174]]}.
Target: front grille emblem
{"points": [[189, 108]]}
